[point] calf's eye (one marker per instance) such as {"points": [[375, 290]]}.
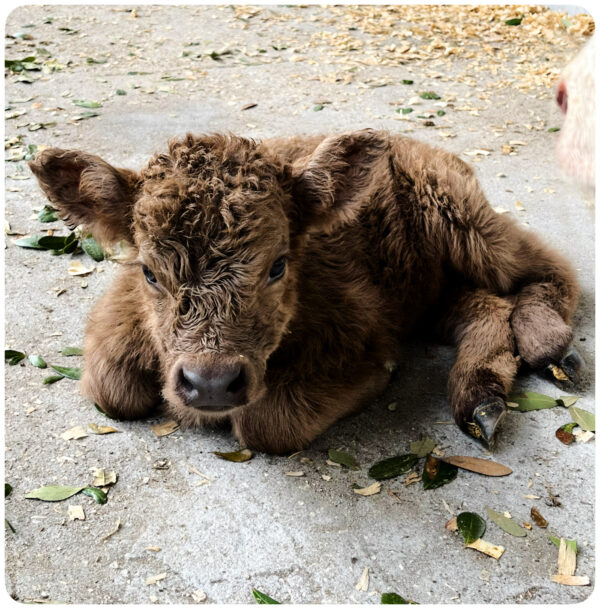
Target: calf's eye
{"points": [[278, 269], [149, 275]]}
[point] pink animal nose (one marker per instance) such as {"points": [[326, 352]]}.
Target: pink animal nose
{"points": [[213, 387], [561, 96]]}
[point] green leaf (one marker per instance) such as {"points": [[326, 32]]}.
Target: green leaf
{"points": [[506, 524], [70, 373], [318, 107], [105, 413], [407, 82], [567, 400], [262, 599], [7, 489], [92, 60], [13, 357], [338, 456], [530, 400], [470, 526], [120, 92], [83, 103], [514, 21], [440, 112], [436, 473], [97, 494], [37, 361], [429, 95], [404, 110], [392, 467], [391, 598], [565, 433], [49, 380], [553, 129], [238, 456], [10, 526], [54, 493], [92, 249], [569, 542], [85, 115], [48, 214], [69, 351], [586, 420], [31, 242], [422, 448]]}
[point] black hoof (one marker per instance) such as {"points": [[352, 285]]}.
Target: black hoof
{"points": [[569, 370], [486, 418]]}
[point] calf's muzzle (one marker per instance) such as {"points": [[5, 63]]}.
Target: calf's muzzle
{"points": [[213, 385]]}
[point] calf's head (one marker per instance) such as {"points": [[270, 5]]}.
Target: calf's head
{"points": [[219, 227]]}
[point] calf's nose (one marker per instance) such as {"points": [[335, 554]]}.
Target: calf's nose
{"points": [[213, 387]]}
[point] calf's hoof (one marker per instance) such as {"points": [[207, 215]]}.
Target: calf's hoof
{"points": [[485, 421], [568, 371]]}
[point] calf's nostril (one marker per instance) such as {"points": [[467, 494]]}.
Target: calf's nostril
{"points": [[238, 382]]}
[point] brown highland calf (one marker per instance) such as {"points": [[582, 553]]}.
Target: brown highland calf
{"points": [[271, 284]]}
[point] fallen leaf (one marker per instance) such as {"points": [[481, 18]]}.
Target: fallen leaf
{"points": [[76, 512], [111, 533], [565, 433], [392, 467], [487, 548], [471, 526], [70, 351], [436, 473], [76, 269], [165, 429], [54, 492], [92, 249], [480, 466], [567, 400], [412, 478], [101, 429], [96, 494], [75, 433], [538, 518], [238, 456], [363, 582], [506, 524], [391, 598], [422, 448], [52, 379], [37, 361], [586, 420], [262, 599], [13, 357], [452, 524], [367, 491], [70, 373], [530, 400], [295, 474]]}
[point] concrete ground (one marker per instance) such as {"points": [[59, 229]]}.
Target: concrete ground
{"points": [[215, 529]]}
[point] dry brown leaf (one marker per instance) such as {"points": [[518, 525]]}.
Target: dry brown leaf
{"points": [[74, 433], [480, 466], [571, 580], [412, 478], [102, 478], [452, 525], [372, 489], [76, 269], [165, 429], [76, 512], [101, 429], [538, 518], [487, 548]]}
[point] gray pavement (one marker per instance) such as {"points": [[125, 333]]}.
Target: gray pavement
{"points": [[299, 539]]}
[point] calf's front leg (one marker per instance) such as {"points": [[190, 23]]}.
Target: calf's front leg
{"points": [[120, 371]]}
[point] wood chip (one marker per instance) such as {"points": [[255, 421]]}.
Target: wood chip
{"points": [[372, 489], [76, 512], [165, 429], [571, 580], [155, 578], [451, 525], [567, 558], [295, 474], [76, 269], [487, 548], [363, 582], [412, 478], [102, 478]]}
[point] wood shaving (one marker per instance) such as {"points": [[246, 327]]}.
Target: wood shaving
{"points": [[487, 548]]}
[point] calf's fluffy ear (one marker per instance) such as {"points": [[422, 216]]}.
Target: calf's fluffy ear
{"points": [[87, 190], [331, 185]]}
